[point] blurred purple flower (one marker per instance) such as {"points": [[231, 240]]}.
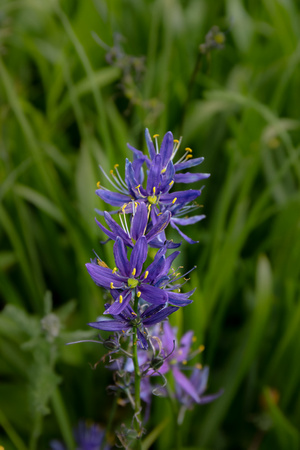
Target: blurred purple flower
{"points": [[198, 380], [87, 437], [188, 390]]}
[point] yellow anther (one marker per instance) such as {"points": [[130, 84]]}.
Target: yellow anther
{"points": [[114, 270], [146, 274], [155, 136], [154, 190], [201, 348], [120, 299], [139, 294], [102, 263], [123, 331], [188, 156], [194, 338], [134, 271], [98, 185], [171, 183], [176, 141], [184, 362], [163, 171], [177, 274], [111, 172], [133, 313], [174, 200], [198, 366], [116, 165], [111, 285], [138, 186], [123, 207], [188, 149]]}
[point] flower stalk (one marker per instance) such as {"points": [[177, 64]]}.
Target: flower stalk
{"points": [[144, 295]]}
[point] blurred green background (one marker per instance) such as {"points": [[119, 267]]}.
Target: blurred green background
{"points": [[80, 79]]}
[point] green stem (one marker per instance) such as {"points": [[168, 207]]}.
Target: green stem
{"points": [[62, 419], [137, 390]]}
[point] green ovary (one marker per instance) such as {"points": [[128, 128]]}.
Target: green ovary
{"points": [[152, 199], [132, 282]]}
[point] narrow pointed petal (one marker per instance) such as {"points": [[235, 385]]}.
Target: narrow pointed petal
{"points": [[185, 347], [138, 256], [103, 276], [117, 307], [113, 198], [180, 196], [180, 299], [168, 338], [115, 228], [130, 179], [120, 255], [155, 268], [138, 170], [166, 148], [108, 233], [139, 154], [139, 221], [110, 325], [161, 224], [199, 379], [168, 262], [190, 177], [189, 163], [152, 294], [150, 144], [210, 398], [185, 384], [188, 239], [168, 178], [189, 220], [158, 243], [159, 316], [154, 175]]}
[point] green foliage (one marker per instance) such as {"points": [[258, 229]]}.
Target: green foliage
{"points": [[69, 104]]}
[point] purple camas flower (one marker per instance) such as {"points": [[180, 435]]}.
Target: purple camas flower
{"points": [[162, 174], [188, 390], [87, 437], [139, 226], [128, 279], [198, 380], [128, 319]]}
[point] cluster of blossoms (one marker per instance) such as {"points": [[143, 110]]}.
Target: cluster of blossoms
{"points": [[145, 291]]}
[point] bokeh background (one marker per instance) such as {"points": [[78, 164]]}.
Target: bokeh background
{"points": [[78, 80]]}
